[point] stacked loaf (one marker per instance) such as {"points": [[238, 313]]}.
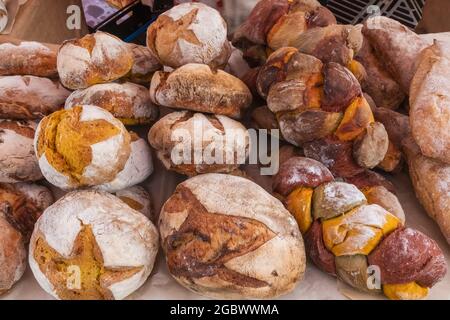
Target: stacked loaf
{"points": [[29, 90], [191, 40]]}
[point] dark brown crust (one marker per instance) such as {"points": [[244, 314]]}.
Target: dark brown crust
{"points": [[396, 124], [340, 88], [335, 154], [408, 255], [206, 241], [20, 127], [317, 251], [321, 17], [367, 179], [300, 172], [263, 118], [262, 18]]}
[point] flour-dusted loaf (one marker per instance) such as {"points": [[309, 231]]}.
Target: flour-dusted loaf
{"points": [[83, 146], [92, 245], [128, 102], [138, 167], [189, 33], [193, 143], [197, 87], [139, 199], [226, 237], [18, 161], [27, 58], [30, 97], [26, 203], [3, 16], [144, 65], [397, 47], [12, 252], [95, 58], [430, 102]]}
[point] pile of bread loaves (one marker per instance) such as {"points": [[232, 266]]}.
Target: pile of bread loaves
{"points": [[330, 89]]}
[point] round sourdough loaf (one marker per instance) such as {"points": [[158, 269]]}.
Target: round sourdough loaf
{"points": [[83, 146], [193, 143], [18, 161], [92, 245], [95, 58], [226, 237], [189, 33], [128, 102], [197, 87]]}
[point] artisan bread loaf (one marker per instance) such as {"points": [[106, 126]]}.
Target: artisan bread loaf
{"points": [[83, 146], [95, 58], [128, 102], [92, 245], [197, 87], [430, 102], [18, 161], [226, 237], [27, 58], [144, 65], [189, 33], [193, 143], [29, 97]]}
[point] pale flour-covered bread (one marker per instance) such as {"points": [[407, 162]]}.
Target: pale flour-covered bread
{"points": [[144, 65], [95, 58], [396, 46], [92, 245], [138, 167], [139, 199], [3, 16], [27, 58], [430, 102], [26, 203], [18, 161], [29, 97], [128, 102], [431, 181], [189, 33], [226, 237], [197, 87], [83, 146], [194, 143], [12, 252]]}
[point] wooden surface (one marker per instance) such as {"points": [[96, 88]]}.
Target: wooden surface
{"points": [[45, 21]]}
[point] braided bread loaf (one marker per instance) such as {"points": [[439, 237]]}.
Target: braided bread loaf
{"points": [[346, 233], [321, 108]]}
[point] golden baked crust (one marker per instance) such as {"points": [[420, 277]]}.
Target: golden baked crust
{"points": [[430, 102], [225, 237]]}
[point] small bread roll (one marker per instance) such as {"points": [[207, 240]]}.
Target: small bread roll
{"points": [[198, 88], [3, 16], [83, 146], [194, 143], [29, 97], [138, 167], [225, 237], [27, 58], [27, 201], [189, 33], [128, 102], [17, 158], [144, 66], [139, 199], [92, 245], [12, 252], [95, 58]]}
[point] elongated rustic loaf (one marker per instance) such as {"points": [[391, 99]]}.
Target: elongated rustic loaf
{"points": [[27, 58], [29, 97], [430, 102]]}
